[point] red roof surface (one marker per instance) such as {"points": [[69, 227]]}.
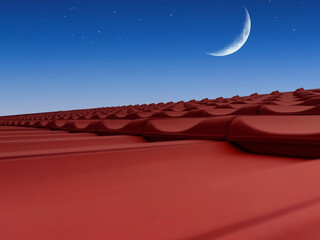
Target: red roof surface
{"points": [[226, 168]]}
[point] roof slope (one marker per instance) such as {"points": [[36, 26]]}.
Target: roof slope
{"points": [[236, 168]]}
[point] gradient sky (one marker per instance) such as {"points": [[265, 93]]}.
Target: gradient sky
{"points": [[69, 54]]}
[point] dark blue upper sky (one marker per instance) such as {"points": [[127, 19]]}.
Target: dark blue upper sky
{"points": [[68, 54]]}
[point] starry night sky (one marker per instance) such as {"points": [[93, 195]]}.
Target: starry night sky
{"points": [[69, 54]]}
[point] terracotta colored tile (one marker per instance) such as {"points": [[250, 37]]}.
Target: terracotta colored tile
{"points": [[297, 136], [188, 128]]}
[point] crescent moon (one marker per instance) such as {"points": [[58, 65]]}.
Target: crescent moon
{"points": [[238, 42]]}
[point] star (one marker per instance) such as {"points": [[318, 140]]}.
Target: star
{"points": [[171, 14], [99, 31], [294, 30], [114, 12]]}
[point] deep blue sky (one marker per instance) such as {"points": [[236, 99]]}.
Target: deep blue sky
{"points": [[69, 54]]}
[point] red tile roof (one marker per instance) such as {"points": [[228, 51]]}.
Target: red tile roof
{"points": [[227, 168]]}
